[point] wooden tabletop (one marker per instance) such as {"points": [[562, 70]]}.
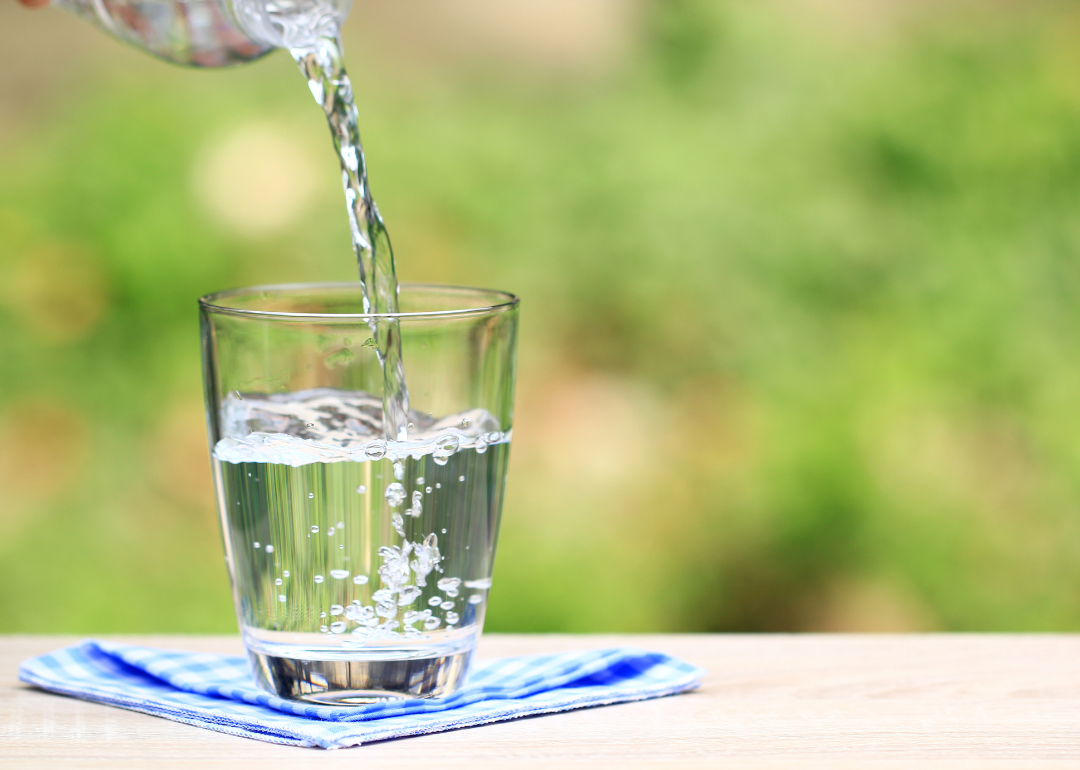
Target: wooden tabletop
{"points": [[978, 701]]}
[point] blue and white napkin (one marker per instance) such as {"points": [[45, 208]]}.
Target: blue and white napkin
{"points": [[217, 691]]}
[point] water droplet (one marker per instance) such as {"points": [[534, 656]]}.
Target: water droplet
{"points": [[322, 614], [325, 629], [434, 600], [257, 544], [447, 605], [464, 423], [339, 574], [336, 609], [341, 525], [431, 624], [409, 594], [375, 450], [285, 574], [330, 532], [310, 495], [314, 528], [341, 547], [452, 618], [399, 470], [476, 599], [338, 626], [319, 578], [438, 485], [278, 582], [444, 530], [483, 583], [417, 506], [399, 524], [481, 445], [441, 460], [446, 445], [281, 597], [460, 478], [269, 549], [361, 489], [420, 481], [360, 579], [428, 490], [395, 494]]}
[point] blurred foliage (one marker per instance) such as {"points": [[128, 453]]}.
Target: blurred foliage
{"points": [[799, 341]]}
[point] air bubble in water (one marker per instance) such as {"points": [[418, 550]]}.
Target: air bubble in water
{"points": [[310, 495], [420, 481], [319, 578], [444, 530], [446, 445], [399, 470], [361, 489], [409, 594], [336, 609], [269, 549], [376, 450], [330, 532], [360, 579], [447, 605], [325, 629], [314, 528], [481, 445], [438, 485], [482, 583], [341, 525], [460, 478], [428, 490], [452, 618], [417, 506], [278, 582], [339, 574], [338, 626], [395, 494], [476, 599], [431, 624], [435, 600], [449, 584], [399, 524], [257, 544], [285, 574], [441, 460], [281, 597]]}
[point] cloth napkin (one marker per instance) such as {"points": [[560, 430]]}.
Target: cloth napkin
{"points": [[217, 691]]}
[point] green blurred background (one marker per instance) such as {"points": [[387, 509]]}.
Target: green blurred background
{"points": [[800, 339]]}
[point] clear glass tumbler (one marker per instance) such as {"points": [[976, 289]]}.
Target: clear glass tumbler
{"points": [[360, 566]]}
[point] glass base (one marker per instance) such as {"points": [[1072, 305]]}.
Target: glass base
{"points": [[358, 682]]}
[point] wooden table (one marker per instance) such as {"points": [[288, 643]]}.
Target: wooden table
{"points": [[977, 701]]}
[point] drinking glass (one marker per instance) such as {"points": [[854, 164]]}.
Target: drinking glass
{"points": [[360, 566]]}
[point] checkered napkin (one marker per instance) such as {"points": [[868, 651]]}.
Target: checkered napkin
{"points": [[217, 692]]}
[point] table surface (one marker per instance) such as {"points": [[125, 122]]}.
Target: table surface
{"points": [[769, 701]]}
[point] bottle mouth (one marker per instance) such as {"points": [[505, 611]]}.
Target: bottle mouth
{"points": [[345, 301]]}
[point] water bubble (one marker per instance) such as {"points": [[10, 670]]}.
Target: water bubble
{"points": [[438, 485], [360, 579], [447, 605], [330, 532], [399, 524], [336, 609], [399, 470], [460, 478], [464, 423], [428, 490], [339, 574], [417, 506], [452, 618], [441, 460], [341, 547], [395, 494], [319, 578], [449, 583], [314, 528], [278, 582], [420, 481], [409, 594], [322, 614], [435, 600], [386, 609], [257, 544], [481, 445], [310, 495], [338, 626], [285, 574], [444, 530], [325, 629], [375, 450], [269, 549], [482, 583], [361, 489], [446, 445], [341, 525], [476, 599], [382, 595], [431, 624], [281, 597]]}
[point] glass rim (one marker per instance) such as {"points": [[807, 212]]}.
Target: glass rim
{"points": [[211, 302]]}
